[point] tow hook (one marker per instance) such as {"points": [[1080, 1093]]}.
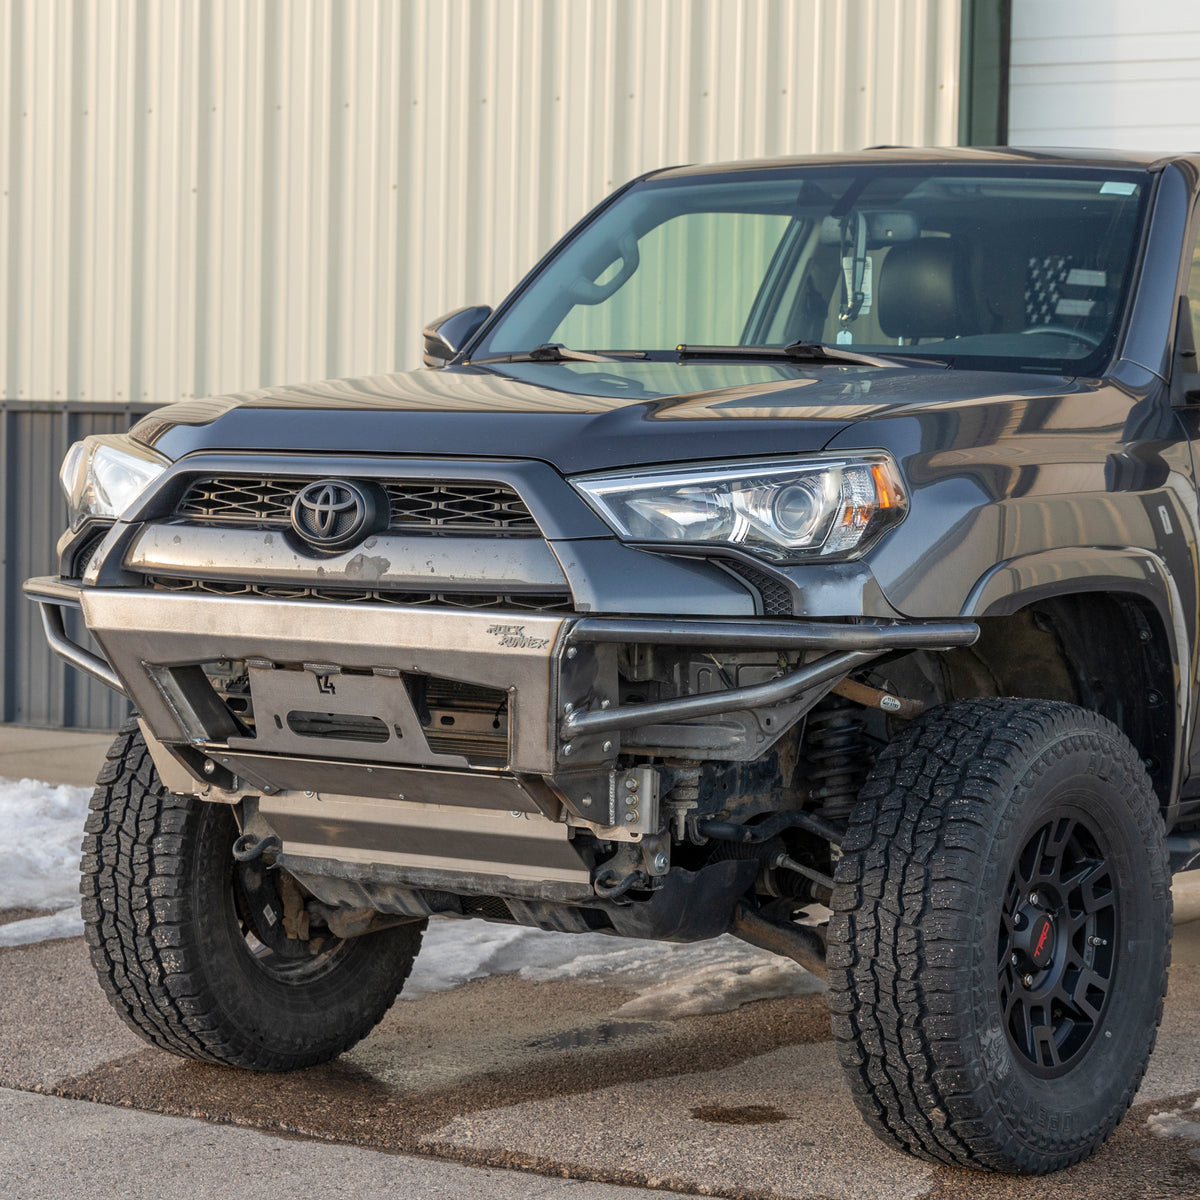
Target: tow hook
{"points": [[610, 887], [273, 897], [248, 847]]}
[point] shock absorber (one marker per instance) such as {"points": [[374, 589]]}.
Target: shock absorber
{"points": [[836, 756]]}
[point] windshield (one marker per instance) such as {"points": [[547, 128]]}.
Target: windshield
{"points": [[998, 267]]}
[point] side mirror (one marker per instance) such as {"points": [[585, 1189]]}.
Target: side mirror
{"points": [[446, 336]]}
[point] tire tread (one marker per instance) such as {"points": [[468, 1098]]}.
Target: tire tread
{"points": [[900, 936], [136, 877]]}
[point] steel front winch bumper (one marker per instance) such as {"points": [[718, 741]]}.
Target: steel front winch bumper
{"points": [[341, 753]]}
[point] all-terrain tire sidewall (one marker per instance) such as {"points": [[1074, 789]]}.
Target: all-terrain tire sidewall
{"points": [[169, 947], [914, 938], [285, 1024], [1076, 1111]]}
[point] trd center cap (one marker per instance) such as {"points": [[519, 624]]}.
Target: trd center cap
{"points": [[1041, 941]]}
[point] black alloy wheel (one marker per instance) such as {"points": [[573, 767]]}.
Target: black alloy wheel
{"points": [[1057, 951], [1001, 933]]}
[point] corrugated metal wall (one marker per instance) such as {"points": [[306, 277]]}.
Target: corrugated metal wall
{"points": [[207, 195], [35, 688], [201, 196]]}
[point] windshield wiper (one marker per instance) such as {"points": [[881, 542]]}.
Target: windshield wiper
{"points": [[556, 352], [814, 352]]}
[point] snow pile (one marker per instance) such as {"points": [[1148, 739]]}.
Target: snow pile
{"points": [[41, 828], [672, 980], [1173, 1124], [1176, 1123]]}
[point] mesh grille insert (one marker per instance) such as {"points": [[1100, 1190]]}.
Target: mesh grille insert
{"points": [[776, 598], [416, 505]]}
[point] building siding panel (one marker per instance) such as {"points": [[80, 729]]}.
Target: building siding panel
{"points": [[210, 196], [1119, 74]]}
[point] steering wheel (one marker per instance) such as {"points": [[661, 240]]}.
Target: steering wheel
{"points": [[1087, 339]]}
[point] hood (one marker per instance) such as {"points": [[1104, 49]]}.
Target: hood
{"points": [[575, 416]]}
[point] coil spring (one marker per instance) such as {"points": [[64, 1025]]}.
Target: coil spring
{"points": [[836, 756]]}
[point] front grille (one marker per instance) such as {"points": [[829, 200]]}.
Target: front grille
{"points": [[541, 602], [458, 506], [416, 506]]}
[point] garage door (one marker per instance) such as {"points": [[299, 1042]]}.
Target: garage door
{"points": [[1119, 73]]}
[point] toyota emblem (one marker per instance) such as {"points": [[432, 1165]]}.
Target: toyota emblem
{"points": [[332, 514]]}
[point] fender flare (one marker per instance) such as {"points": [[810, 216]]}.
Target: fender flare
{"points": [[1019, 582]]}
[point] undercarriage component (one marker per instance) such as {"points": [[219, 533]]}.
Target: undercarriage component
{"points": [[617, 806], [871, 697], [802, 943], [764, 830], [790, 864], [683, 798], [500, 848], [836, 757], [610, 886], [250, 847], [352, 922], [688, 906]]}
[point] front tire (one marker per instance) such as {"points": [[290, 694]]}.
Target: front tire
{"points": [[176, 953], [999, 948]]}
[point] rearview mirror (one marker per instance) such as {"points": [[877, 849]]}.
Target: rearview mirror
{"points": [[446, 336]]}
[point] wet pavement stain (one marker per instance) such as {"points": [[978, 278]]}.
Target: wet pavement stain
{"points": [[488, 1048], [452, 1054], [748, 1114], [10, 915], [606, 1034]]}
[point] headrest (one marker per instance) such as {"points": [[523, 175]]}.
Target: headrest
{"points": [[923, 290]]}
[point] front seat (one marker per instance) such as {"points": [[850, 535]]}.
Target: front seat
{"points": [[924, 291]]}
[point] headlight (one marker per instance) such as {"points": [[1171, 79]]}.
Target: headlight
{"points": [[102, 476], [818, 508]]}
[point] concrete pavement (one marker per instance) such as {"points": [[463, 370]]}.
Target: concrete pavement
{"points": [[547, 1078], [52, 755], [52, 1148]]}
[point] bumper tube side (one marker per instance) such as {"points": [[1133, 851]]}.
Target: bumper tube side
{"points": [[51, 596], [771, 635], [777, 691]]}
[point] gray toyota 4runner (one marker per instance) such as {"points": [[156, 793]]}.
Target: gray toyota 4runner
{"points": [[805, 550]]}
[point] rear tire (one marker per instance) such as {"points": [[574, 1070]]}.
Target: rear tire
{"points": [[999, 948], [177, 956]]}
